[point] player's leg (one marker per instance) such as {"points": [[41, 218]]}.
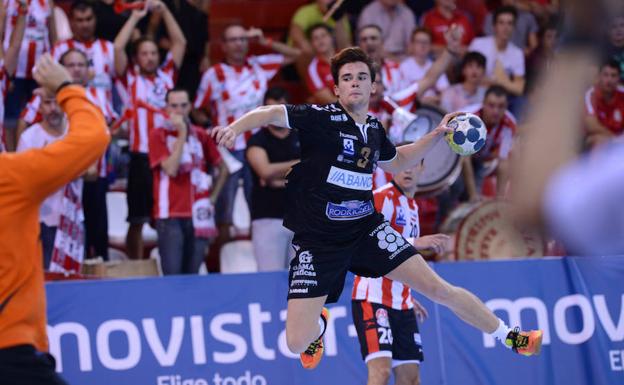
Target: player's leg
{"points": [[379, 370], [416, 273], [302, 322], [406, 373], [375, 338]]}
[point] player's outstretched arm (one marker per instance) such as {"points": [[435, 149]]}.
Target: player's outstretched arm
{"points": [[411, 154], [259, 117]]}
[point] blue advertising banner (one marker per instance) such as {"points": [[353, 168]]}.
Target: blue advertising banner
{"points": [[229, 329]]}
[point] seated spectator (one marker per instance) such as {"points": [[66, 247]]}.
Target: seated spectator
{"points": [[183, 190], [308, 15], [64, 202], [147, 82], [615, 47], [525, 31], [494, 156], [396, 22], [232, 88], [271, 152], [415, 67], [319, 80], [8, 65], [441, 18], [604, 105], [505, 61], [470, 91]]}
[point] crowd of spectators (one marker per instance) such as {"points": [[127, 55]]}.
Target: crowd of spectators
{"points": [[149, 71]]}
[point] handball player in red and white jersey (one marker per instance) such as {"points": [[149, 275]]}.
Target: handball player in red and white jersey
{"points": [[384, 311]]}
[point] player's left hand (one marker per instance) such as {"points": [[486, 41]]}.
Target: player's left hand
{"points": [[224, 136], [420, 311]]}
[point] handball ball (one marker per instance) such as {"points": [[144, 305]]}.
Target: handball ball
{"points": [[469, 134]]}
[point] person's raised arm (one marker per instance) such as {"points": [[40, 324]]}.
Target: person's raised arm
{"points": [[410, 155], [123, 37], [453, 38], [49, 168], [290, 53], [259, 117], [176, 36], [12, 53]]}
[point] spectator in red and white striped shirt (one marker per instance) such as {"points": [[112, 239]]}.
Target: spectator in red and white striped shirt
{"points": [[40, 35], [183, 189], [8, 64], [384, 312], [147, 82], [234, 87], [100, 52], [319, 78]]}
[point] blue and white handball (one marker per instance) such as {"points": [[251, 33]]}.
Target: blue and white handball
{"points": [[469, 134]]}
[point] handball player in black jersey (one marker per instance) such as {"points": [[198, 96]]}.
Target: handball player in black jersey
{"points": [[330, 209]]}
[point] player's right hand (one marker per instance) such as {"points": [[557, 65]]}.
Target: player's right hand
{"points": [[224, 136], [50, 74]]}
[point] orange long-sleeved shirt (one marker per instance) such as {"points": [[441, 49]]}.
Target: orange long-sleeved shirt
{"points": [[26, 179]]}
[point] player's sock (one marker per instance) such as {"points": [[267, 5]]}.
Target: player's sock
{"points": [[502, 332], [322, 325]]}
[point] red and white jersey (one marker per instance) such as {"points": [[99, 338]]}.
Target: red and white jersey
{"points": [[101, 55], [381, 178], [173, 197], [4, 85], [319, 75], [151, 90], [609, 113], [30, 114], [499, 138], [391, 77], [231, 91], [402, 213], [36, 36]]}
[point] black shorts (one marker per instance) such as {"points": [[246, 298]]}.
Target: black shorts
{"points": [[387, 332], [320, 267], [140, 195], [23, 365]]}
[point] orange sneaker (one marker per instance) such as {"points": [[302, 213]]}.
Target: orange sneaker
{"points": [[525, 343], [313, 354]]}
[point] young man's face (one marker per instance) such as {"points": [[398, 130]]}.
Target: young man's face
{"points": [[473, 73], [321, 41], [235, 43], [407, 179], [77, 66], [608, 79], [147, 57], [616, 34], [421, 45], [178, 103], [370, 42], [494, 107], [82, 23], [504, 26], [354, 86]]}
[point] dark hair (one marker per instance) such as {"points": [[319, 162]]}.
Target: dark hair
{"points": [[72, 50], [176, 89], [473, 57], [418, 30], [373, 26], [228, 26], [510, 9], [351, 55], [497, 91], [276, 93], [611, 63], [316, 26], [80, 5], [137, 43]]}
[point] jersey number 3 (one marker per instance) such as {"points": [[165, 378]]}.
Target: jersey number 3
{"points": [[363, 161]]}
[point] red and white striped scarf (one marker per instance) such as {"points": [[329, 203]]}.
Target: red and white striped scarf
{"points": [[69, 242]]}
